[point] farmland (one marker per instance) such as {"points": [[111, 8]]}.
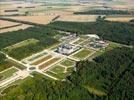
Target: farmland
{"points": [[78, 18], [120, 18], [7, 26], [34, 19]]}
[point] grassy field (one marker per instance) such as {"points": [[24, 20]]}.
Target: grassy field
{"points": [[79, 41], [67, 63], [82, 54], [37, 56], [7, 73], [48, 63], [58, 69], [42, 60], [21, 44]]}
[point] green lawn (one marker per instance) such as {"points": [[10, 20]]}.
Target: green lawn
{"points": [[58, 69], [8, 73], [82, 54], [67, 63], [79, 41]]}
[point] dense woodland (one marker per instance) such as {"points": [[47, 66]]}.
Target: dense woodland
{"points": [[2, 57], [106, 12], [43, 34], [110, 73], [114, 31]]}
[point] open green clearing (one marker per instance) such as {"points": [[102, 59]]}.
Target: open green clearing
{"points": [[7, 73], [79, 41], [42, 60], [37, 56], [82, 54], [67, 63], [57, 69]]}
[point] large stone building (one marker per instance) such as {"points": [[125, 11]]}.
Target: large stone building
{"points": [[67, 49]]}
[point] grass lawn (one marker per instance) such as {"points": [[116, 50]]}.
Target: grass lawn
{"points": [[58, 75], [67, 63], [48, 63], [7, 73], [42, 60], [79, 41], [57, 69], [82, 54], [37, 56]]}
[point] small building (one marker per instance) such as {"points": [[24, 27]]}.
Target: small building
{"points": [[67, 49], [93, 36]]}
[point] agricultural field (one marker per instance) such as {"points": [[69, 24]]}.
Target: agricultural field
{"points": [[78, 18], [82, 54], [34, 19], [4, 24], [120, 18], [7, 73], [16, 28]]}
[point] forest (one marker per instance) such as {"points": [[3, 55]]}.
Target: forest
{"points": [[114, 31], [2, 57], [109, 76], [43, 34], [106, 12]]}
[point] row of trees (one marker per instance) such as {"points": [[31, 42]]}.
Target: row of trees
{"points": [[106, 12], [114, 31], [110, 73]]}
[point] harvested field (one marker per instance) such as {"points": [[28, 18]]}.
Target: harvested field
{"points": [[4, 24], [50, 62], [16, 28], [42, 60], [34, 19], [120, 19], [78, 18]]}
